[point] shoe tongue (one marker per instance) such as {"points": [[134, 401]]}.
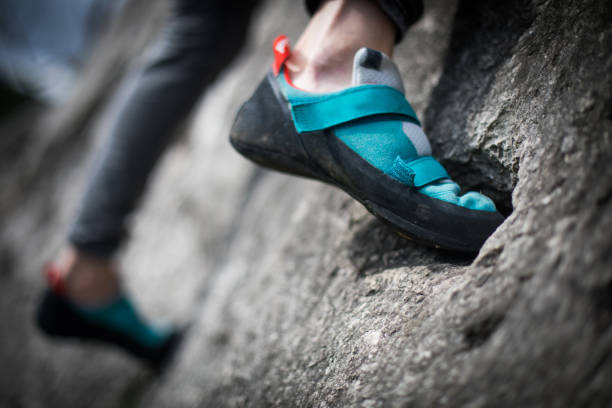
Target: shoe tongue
{"points": [[374, 67]]}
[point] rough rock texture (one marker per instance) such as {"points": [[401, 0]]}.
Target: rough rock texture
{"points": [[298, 297]]}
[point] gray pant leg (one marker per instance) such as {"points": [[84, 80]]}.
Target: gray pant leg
{"points": [[403, 13], [200, 40]]}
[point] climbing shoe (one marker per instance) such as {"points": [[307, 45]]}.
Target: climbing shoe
{"points": [[368, 141], [116, 323]]}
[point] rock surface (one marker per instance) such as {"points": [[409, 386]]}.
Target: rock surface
{"points": [[298, 297]]}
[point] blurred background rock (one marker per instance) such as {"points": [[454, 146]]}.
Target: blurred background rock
{"points": [[44, 44], [296, 296]]}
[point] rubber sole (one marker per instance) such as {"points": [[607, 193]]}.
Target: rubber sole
{"points": [[277, 162], [264, 133]]}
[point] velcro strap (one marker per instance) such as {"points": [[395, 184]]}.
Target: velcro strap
{"points": [[419, 172], [317, 113]]}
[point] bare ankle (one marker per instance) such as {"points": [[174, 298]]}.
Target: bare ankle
{"points": [[322, 72], [323, 56], [88, 280]]}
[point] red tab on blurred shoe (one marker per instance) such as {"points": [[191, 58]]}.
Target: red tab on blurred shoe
{"points": [[281, 53], [54, 279]]}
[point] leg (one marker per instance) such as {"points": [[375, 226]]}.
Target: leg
{"points": [[85, 300], [198, 43]]}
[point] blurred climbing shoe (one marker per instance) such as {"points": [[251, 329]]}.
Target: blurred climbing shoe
{"points": [[116, 323], [368, 141]]}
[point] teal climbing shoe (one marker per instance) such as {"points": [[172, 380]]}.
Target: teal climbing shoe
{"points": [[116, 323], [368, 141]]}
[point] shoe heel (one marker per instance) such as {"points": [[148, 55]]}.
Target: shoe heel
{"points": [[50, 317], [263, 132]]}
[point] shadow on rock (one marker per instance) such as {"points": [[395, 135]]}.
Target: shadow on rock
{"points": [[375, 247]]}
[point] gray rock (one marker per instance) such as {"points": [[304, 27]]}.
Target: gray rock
{"points": [[299, 297]]}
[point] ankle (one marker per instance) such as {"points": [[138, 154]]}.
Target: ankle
{"points": [[88, 280], [324, 71], [323, 56]]}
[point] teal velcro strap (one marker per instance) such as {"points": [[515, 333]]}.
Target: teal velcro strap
{"points": [[324, 111], [419, 172]]}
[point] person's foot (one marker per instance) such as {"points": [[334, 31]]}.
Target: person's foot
{"points": [[323, 61], [84, 300], [367, 140]]}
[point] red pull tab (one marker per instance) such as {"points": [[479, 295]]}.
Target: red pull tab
{"points": [[54, 279], [281, 53]]}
